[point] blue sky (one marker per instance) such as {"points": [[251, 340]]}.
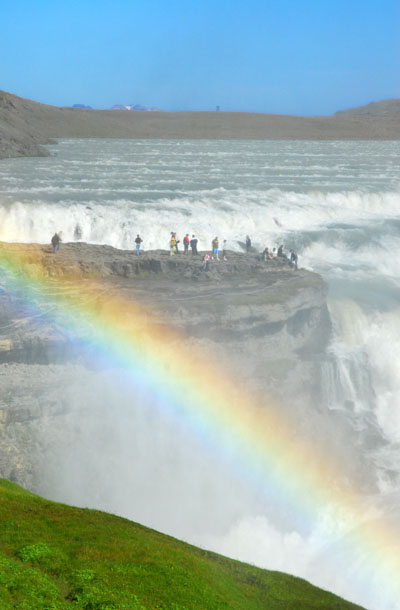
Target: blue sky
{"points": [[291, 57]]}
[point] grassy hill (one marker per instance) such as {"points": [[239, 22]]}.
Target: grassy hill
{"points": [[56, 557]]}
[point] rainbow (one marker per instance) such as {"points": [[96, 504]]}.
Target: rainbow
{"points": [[252, 437]]}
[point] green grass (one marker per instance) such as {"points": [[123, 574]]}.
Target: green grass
{"points": [[56, 557]]}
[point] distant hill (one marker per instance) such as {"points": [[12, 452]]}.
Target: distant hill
{"points": [[25, 125], [82, 106], [386, 108], [60, 557]]}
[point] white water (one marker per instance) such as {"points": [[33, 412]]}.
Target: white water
{"points": [[338, 205], [107, 191]]}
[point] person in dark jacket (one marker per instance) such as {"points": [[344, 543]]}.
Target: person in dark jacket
{"points": [[293, 258], [55, 242], [138, 241], [265, 254], [248, 243], [193, 245]]}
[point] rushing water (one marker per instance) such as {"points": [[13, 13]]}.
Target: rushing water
{"points": [[336, 203]]}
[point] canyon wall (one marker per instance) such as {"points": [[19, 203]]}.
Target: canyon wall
{"points": [[264, 322]]}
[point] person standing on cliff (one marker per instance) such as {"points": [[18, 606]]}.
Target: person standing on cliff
{"points": [[224, 250], [186, 242], [193, 245], [215, 247], [55, 242], [293, 258], [138, 241], [172, 244], [176, 244], [266, 255], [248, 244]]}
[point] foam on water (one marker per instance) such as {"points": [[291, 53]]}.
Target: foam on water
{"points": [[95, 217], [337, 204]]}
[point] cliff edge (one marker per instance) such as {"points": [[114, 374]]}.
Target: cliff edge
{"points": [[265, 322], [243, 299]]}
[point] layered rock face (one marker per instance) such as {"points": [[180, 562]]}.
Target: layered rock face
{"points": [[265, 322]]}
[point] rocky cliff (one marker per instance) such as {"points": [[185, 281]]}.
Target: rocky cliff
{"points": [[267, 323], [235, 301]]}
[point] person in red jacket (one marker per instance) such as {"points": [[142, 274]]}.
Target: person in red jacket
{"points": [[186, 242]]}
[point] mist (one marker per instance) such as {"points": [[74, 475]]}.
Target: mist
{"points": [[117, 446], [114, 450]]}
